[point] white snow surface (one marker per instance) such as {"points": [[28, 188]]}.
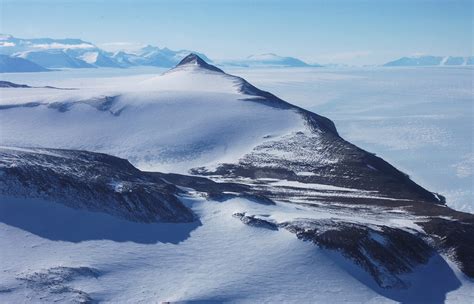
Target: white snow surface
{"points": [[173, 122], [221, 260], [89, 57]]}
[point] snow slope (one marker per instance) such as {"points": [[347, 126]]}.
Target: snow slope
{"points": [[153, 124], [301, 214], [220, 261]]}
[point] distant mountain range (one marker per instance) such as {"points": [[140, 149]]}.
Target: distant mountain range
{"points": [[269, 59], [428, 60], [31, 55], [40, 54]]}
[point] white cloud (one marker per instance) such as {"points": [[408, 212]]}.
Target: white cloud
{"points": [[56, 45]]}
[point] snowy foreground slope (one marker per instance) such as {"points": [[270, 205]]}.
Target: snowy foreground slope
{"points": [[266, 202]]}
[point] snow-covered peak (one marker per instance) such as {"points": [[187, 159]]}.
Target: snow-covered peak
{"points": [[147, 49], [193, 74], [194, 60]]}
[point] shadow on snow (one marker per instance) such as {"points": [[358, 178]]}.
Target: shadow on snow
{"points": [[428, 283], [57, 222]]}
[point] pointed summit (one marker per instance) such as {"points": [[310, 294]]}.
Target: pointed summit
{"points": [[193, 59]]}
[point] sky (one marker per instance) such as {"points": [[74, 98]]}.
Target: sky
{"points": [[317, 31]]}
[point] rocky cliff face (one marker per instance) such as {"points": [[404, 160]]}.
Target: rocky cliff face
{"points": [[89, 181]]}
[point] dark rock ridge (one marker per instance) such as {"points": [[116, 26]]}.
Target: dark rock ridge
{"points": [[454, 237], [366, 214], [331, 160], [8, 84], [215, 191], [383, 251], [90, 181], [254, 221]]}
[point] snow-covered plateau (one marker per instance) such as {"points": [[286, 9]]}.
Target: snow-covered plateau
{"points": [[195, 186]]}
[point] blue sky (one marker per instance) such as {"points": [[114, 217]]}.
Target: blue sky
{"points": [[354, 32]]}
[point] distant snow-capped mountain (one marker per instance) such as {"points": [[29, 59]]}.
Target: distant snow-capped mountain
{"points": [[269, 60], [10, 45], [76, 53], [428, 60], [99, 58], [15, 65], [162, 57], [55, 53], [53, 58]]}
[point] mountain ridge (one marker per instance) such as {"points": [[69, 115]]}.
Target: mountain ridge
{"points": [[194, 59], [77, 53], [195, 138], [430, 60]]}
